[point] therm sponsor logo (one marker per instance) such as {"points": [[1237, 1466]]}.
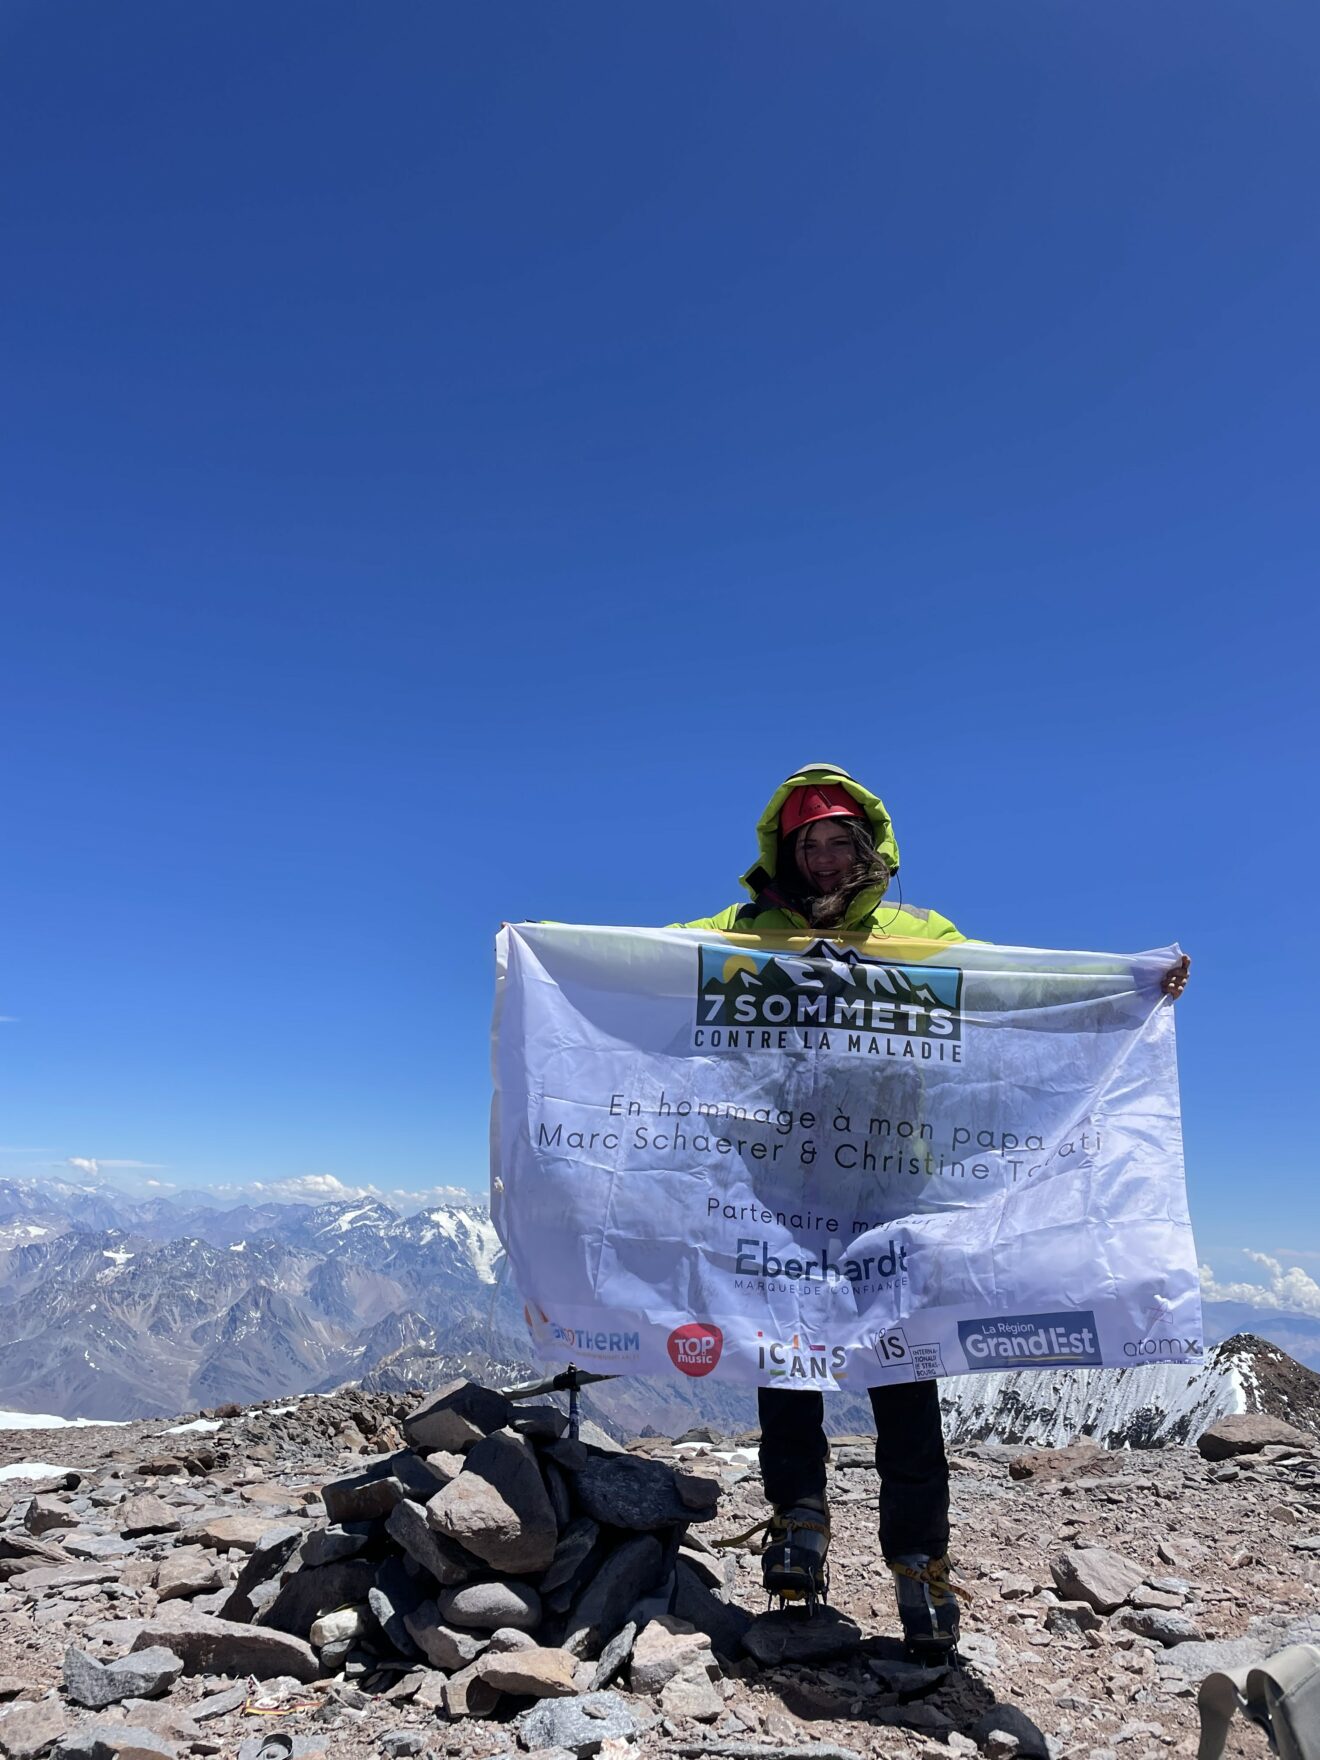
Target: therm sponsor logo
{"points": [[588, 1341]]}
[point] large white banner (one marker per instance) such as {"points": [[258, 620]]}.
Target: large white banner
{"points": [[805, 1164]]}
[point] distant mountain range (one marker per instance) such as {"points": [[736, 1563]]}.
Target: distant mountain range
{"points": [[115, 1308], [112, 1308]]}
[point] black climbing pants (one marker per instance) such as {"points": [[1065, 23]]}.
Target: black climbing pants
{"points": [[909, 1457]]}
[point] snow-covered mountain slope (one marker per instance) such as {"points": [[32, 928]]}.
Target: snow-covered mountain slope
{"points": [[1142, 1407]]}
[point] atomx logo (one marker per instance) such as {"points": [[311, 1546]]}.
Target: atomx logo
{"points": [[1047, 1340], [797, 1359], [829, 999]]}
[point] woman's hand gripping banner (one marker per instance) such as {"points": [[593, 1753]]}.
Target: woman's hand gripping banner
{"points": [[814, 1162]]}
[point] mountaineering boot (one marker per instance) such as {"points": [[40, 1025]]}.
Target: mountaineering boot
{"points": [[793, 1563], [927, 1606]]}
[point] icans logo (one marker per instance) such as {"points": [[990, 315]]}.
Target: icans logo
{"points": [[1045, 1340], [800, 1360], [830, 998], [695, 1348]]}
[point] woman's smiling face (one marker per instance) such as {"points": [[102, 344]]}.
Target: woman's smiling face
{"points": [[825, 855]]}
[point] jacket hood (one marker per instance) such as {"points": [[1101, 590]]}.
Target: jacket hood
{"points": [[762, 870]]}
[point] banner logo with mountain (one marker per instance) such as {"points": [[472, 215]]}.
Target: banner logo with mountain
{"points": [[827, 990]]}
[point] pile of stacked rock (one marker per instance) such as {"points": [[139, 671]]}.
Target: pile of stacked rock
{"points": [[495, 1555]]}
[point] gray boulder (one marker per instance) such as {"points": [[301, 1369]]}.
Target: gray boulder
{"points": [[361, 1497], [146, 1514], [723, 1622], [407, 1525], [627, 1491], [455, 1416], [537, 1673], [44, 1513], [491, 1605], [1072, 1616], [691, 1693], [630, 1572], [1009, 1721], [307, 1594], [29, 1730], [340, 1540], [782, 1635], [1168, 1626], [394, 1595], [580, 1724], [1247, 1433], [613, 1657], [104, 1740], [572, 1550], [664, 1648], [144, 1674], [1094, 1574], [465, 1694], [443, 1646], [220, 1646], [274, 1553], [186, 1572], [498, 1508]]}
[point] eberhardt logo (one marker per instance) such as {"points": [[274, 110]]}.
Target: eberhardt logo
{"points": [[1047, 1339], [695, 1348], [829, 999]]}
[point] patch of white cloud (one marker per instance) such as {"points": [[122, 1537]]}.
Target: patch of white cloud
{"points": [[323, 1188], [94, 1165], [319, 1188], [434, 1196], [1289, 1290]]}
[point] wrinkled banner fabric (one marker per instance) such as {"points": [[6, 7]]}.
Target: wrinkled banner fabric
{"points": [[804, 1163]]}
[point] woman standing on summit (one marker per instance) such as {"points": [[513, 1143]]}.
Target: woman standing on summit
{"points": [[827, 854]]}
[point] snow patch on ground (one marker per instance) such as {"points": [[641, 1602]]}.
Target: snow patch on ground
{"points": [[44, 1421], [31, 1470], [197, 1424]]}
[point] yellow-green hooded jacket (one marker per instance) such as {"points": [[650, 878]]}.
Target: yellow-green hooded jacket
{"points": [[870, 913]]}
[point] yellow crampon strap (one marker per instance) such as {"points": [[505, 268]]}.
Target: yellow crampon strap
{"points": [[771, 1522], [742, 1539], [935, 1576]]}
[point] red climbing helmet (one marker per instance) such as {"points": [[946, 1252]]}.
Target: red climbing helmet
{"points": [[817, 800]]}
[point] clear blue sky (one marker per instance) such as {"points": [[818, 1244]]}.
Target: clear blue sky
{"points": [[457, 458]]}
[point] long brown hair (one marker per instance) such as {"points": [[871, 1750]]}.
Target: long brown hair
{"points": [[827, 910]]}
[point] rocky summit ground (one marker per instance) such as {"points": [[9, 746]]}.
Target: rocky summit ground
{"points": [[1104, 1586]]}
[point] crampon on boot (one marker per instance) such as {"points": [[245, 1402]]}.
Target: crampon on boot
{"points": [[927, 1606], [793, 1559]]}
